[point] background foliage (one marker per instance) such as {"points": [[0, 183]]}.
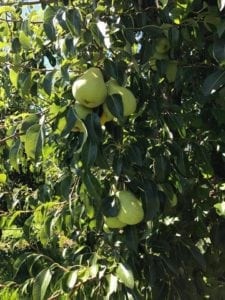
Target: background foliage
{"points": [[55, 183]]}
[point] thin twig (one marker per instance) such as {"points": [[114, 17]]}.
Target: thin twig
{"points": [[2, 141], [35, 2]]}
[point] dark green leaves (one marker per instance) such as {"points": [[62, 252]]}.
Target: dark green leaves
{"points": [[48, 82], [89, 153], [213, 82], [50, 31], [41, 284], [115, 105], [73, 21], [219, 51], [115, 70]]}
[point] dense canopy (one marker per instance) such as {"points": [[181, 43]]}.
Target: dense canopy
{"points": [[158, 133]]}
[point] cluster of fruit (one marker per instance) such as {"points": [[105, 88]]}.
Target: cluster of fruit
{"points": [[160, 60], [90, 91], [130, 212]]}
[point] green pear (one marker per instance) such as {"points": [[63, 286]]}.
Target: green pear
{"points": [[82, 112], [90, 89], [114, 222], [131, 211], [162, 45], [128, 100], [157, 56]]}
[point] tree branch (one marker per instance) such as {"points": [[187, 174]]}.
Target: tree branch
{"points": [[27, 3]]}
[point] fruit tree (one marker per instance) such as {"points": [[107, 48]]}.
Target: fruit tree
{"points": [[112, 142]]}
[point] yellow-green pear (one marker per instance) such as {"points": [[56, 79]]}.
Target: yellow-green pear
{"points": [[157, 56], [106, 116], [128, 99], [114, 222], [162, 45], [131, 211], [90, 89], [82, 112]]}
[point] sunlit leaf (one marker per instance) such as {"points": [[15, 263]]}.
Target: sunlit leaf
{"points": [[125, 275], [3, 178]]}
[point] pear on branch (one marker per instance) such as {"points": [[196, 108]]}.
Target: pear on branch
{"points": [[162, 45], [129, 102], [131, 210], [82, 112], [90, 89]]}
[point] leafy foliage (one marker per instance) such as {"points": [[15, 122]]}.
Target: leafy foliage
{"points": [[56, 183]]}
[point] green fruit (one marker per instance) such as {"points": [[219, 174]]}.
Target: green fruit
{"points": [[131, 211], [162, 45], [160, 56], [157, 56], [82, 112], [128, 99], [90, 89], [114, 222]]}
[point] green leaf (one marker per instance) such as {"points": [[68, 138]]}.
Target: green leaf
{"points": [[50, 13], [171, 70], [7, 9], [25, 40], [115, 105], [69, 280], [151, 200], [219, 50], [50, 31], [115, 69], [34, 141], [62, 187], [213, 82], [48, 82], [221, 4], [30, 120], [97, 34], [163, 3], [89, 153], [161, 168], [3, 178], [73, 21], [25, 82], [14, 155], [220, 208], [16, 47], [93, 186], [13, 75], [112, 285], [41, 284], [65, 121], [110, 206], [125, 275], [94, 128]]}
